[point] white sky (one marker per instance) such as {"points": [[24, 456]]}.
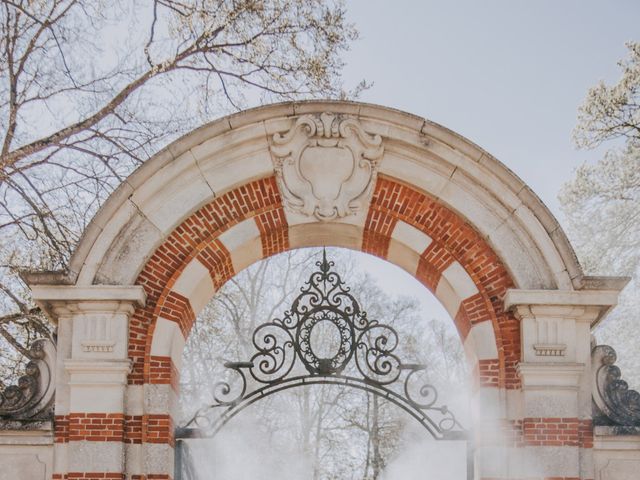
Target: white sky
{"points": [[509, 75]]}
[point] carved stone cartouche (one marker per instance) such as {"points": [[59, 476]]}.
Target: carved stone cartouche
{"points": [[326, 166]]}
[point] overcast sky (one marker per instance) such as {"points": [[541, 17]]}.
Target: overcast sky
{"points": [[509, 75]]}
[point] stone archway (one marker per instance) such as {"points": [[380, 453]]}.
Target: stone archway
{"points": [[323, 173]]}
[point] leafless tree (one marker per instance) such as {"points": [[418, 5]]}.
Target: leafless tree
{"points": [[89, 90]]}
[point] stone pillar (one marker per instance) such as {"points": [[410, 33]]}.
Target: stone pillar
{"points": [[92, 368], [555, 402]]}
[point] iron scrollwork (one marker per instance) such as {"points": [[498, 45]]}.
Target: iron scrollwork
{"points": [[363, 355]]}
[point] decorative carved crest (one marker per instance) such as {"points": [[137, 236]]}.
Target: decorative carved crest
{"points": [[326, 166], [613, 402]]}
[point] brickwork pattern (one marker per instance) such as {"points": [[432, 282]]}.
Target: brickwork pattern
{"points": [[195, 237], [454, 239], [94, 476], [61, 428], [555, 432], [96, 427]]}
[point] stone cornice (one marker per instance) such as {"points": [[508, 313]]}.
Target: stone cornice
{"points": [[57, 300], [586, 305], [550, 375]]}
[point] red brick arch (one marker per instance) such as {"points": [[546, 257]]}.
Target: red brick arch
{"points": [[196, 237]]}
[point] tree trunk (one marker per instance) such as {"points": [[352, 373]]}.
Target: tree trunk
{"points": [[375, 439]]}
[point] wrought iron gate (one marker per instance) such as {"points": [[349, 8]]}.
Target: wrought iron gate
{"points": [[364, 358]]}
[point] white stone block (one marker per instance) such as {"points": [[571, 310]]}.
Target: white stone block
{"points": [[545, 245], [173, 192], [60, 457], [177, 348], [215, 150], [619, 469], [160, 399], [109, 232], [542, 462], [492, 462], [550, 403], [163, 335], [448, 297], [488, 404], [100, 335], [134, 400], [243, 243], [325, 234], [246, 255], [428, 174], [88, 456], [295, 218], [239, 234], [129, 251], [158, 458], [460, 281], [404, 257], [482, 341], [195, 284], [411, 237], [97, 398], [97, 386], [133, 459], [23, 465], [62, 393], [473, 204]]}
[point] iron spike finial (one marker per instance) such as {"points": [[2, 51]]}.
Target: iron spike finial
{"points": [[324, 265]]}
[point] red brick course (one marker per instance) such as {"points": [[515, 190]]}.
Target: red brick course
{"points": [[195, 237], [87, 476], [96, 427], [274, 232], [554, 432], [488, 372], [94, 476], [377, 233], [535, 432], [158, 429], [162, 371], [178, 309], [454, 239], [133, 429], [585, 432], [61, 428]]}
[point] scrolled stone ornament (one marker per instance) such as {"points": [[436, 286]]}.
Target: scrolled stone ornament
{"points": [[614, 404], [32, 397]]}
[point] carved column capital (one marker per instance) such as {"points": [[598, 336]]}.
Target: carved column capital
{"points": [[99, 315], [555, 324], [69, 300]]}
